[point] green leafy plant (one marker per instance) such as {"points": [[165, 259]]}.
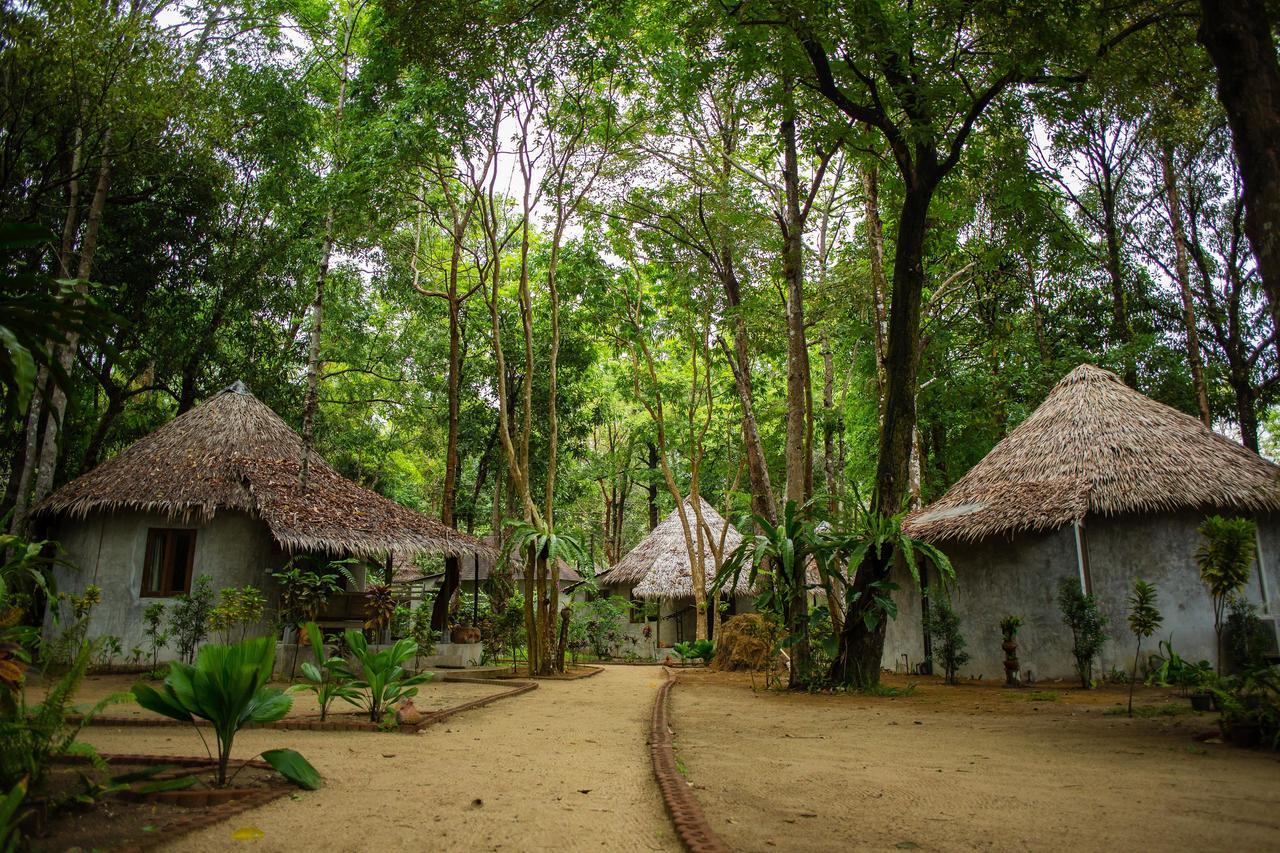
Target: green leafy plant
{"points": [[109, 648], [11, 816], [1248, 638], [943, 625], [1225, 557], [1009, 626], [1250, 705], [237, 608], [153, 629], [1080, 613], [379, 607], [189, 617], [1144, 620], [595, 625], [33, 737], [227, 686], [382, 676], [328, 677], [1167, 668], [702, 650]]}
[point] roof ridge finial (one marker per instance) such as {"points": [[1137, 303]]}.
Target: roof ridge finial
{"points": [[237, 387]]}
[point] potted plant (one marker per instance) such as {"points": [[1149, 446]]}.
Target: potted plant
{"points": [[1009, 626], [464, 632]]}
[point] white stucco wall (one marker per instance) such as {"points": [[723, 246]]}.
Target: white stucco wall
{"points": [[110, 550], [1020, 576]]}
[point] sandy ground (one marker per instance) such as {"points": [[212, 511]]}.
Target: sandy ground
{"points": [[564, 767], [968, 767], [431, 696]]}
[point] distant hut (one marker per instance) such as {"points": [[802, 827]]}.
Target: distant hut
{"points": [[659, 570], [1101, 485], [216, 492], [476, 571]]}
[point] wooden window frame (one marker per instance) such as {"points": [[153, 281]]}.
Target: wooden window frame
{"points": [[169, 535]]}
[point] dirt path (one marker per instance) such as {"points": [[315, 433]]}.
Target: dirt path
{"points": [[972, 768], [526, 760]]}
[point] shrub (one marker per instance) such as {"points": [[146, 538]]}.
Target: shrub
{"points": [[153, 620], [1248, 638], [328, 677], [228, 687], [382, 675], [189, 617], [943, 625], [1088, 627], [1225, 558], [697, 650], [238, 608], [1144, 620], [1167, 668], [596, 625]]}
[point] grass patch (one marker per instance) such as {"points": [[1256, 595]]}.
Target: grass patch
{"points": [[1042, 696], [681, 768], [887, 690], [1172, 709]]}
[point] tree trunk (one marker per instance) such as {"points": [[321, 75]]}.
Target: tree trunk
{"points": [[1182, 269], [1121, 325], [797, 464], [762, 499], [1237, 35], [875, 251], [653, 486], [860, 650]]}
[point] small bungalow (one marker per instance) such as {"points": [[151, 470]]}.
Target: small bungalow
{"points": [[1101, 485], [216, 492], [657, 575]]}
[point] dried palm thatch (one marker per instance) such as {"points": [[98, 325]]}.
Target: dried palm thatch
{"points": [[233, 453], [660, 567], [747, 641], [1097, 446]]}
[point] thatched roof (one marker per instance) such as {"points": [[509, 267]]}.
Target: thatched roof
{"points": [[1097, 446], [233, 453], [659, 566]]}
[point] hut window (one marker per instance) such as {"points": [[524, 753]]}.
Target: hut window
{"points": [[170, 555]]}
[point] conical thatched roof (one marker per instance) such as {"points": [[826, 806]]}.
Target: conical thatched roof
{"points": [[1095, 445], [659, 566], [233, 453]]}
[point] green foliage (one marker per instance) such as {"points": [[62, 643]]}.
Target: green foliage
{"points": [[597, 625], [153, 629], [702, 650], [1249, 639], [420, 632], [237, 608], [1080, 613], [1167, 668], [227, 686], [943, 625], [32, 737], [1250, 704], [327, 677], [189, 617], [1009, 626], [1144, 620], [304, 589], [379, 607], [109, 648], [11, 816], [381, 675], [1225, 557]]}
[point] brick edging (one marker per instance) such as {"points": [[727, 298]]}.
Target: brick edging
{"points": [[591, 670], [686, 814], [303, 725], [206, 816]]}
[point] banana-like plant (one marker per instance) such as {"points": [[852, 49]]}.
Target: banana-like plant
{"points": [[328, 677], [228, 687], [382, 676]]}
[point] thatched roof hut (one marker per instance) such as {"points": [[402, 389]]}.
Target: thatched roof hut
{"points": [[1099, 487], [1095, 446], [234, 453], [480, 570], [659, 566]]}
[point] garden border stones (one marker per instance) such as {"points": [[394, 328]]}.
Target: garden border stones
{"points": [[214, 810], [686, 814], [303, 725]]}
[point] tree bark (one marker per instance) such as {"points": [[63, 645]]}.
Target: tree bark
{"points": [[1238, 37]]}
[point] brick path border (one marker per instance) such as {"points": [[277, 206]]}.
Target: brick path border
{"points": [[686, 813], [303, 725], [206, 816]]}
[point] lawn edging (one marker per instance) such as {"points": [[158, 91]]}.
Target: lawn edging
{"points": [[309, 725], [691, 825]]}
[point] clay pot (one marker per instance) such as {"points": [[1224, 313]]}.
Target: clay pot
{"points": [[1009, 647], [1011, 665], [407, 714], [464, 634]]}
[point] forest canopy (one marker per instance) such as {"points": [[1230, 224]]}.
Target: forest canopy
{"points": [[564, 264]]}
